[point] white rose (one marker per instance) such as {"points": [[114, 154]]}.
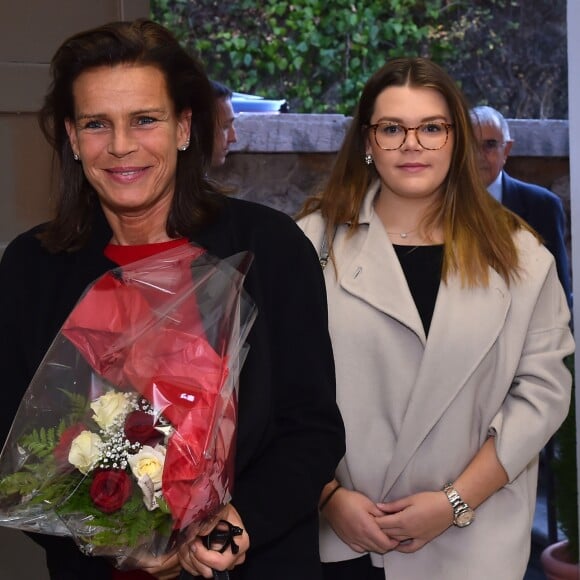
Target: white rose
{"points": [[148, 463], [109, 407], [85, 451]]}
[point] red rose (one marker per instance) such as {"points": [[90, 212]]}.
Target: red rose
{"points": [[110, 489], [140, 428], [62, 449]]}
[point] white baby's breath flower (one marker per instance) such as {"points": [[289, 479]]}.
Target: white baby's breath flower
{"points": [[85, 451], [110, 407], [149, 462]]}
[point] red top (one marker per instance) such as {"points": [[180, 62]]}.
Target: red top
{"points": [[123, 255]]}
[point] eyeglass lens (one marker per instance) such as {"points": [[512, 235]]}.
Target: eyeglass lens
{"points": [[429, 135]]}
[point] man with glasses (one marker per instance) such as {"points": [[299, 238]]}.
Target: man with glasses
{"points": [[541, 208]]}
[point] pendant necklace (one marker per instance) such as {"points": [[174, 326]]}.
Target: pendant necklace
{"points": [[403, 235]]}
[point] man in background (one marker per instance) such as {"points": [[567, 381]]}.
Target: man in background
{"points": [[225, 132], [538, 206]]}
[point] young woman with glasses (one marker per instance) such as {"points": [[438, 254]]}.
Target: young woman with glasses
{"points": [[449, 327]]}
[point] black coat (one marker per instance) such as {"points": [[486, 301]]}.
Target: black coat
{"points": [[290, 433]]}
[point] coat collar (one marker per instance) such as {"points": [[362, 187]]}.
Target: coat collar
{"points": [[367, 210], [373, 272], [374, 275]]}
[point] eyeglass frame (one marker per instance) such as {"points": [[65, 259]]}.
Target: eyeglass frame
{"points": [[447, 126]]}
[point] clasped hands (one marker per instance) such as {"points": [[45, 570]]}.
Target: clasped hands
{"points": [[199, 560], [404, 525]]}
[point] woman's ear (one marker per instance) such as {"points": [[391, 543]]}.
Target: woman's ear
{"points": [[183, 127], [367, 137], [368, 148], [72, 136]]}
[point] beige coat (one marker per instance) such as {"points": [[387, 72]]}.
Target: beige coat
{"points": [[417, 411]]}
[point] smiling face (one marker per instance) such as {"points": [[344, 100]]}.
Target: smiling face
{"points": [[127, 136], [225, 132], [411, 171]]}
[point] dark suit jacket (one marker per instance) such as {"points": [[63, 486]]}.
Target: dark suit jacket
{"points": [[290, 433], [543, 210]]}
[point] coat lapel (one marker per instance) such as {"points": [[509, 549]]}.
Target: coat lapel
{"points": [[466, 322], [374, 275]]}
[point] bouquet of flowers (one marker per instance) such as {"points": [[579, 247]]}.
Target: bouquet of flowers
{"points": [[125, 435]]}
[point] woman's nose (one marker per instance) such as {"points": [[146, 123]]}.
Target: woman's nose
{"points": [[411, 141], [122, 142]]}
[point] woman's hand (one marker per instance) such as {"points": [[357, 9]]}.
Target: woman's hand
{"points": [[165, 567], [415, 520], [353, 517], [200, 561]]}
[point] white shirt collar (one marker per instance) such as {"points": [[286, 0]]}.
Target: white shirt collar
{"points": [[494, 187]]}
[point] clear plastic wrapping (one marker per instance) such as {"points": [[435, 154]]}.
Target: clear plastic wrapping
{"points": [[126, 434]]}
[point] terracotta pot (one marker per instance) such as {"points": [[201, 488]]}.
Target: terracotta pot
{"points": [[557, 563]]}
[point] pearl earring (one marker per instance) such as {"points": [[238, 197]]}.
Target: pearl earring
{"points": [[184, 146], [75, 156], [368, 159]]}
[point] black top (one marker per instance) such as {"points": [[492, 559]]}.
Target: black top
{"points": [[290, 434], [422, 268]]}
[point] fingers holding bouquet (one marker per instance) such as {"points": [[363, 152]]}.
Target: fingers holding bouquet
{"points": [[219, 545], [164, 567]]}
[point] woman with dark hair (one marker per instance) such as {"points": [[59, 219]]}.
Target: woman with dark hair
{"points": [[449, 329], [131, 118]]}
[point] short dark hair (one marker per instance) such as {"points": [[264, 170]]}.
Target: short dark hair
{"points": [[141, 42], [220, 90]]}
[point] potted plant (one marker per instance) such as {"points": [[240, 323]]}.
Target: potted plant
{"points": [[560, 560]]}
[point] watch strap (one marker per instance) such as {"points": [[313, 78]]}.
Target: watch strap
{"points": [[459, 506]]}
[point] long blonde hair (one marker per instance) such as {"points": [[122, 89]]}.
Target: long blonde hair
{"points": [[477, 229]]}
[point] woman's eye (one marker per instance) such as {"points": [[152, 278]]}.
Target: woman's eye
{"points": [[390, 129], [94, 124], [432, 128], [145, 120]]}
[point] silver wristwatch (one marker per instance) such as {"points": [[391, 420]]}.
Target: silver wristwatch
{"points": [[463, 515]]}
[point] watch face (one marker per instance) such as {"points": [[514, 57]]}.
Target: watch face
{"points": [[464, 518]]}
